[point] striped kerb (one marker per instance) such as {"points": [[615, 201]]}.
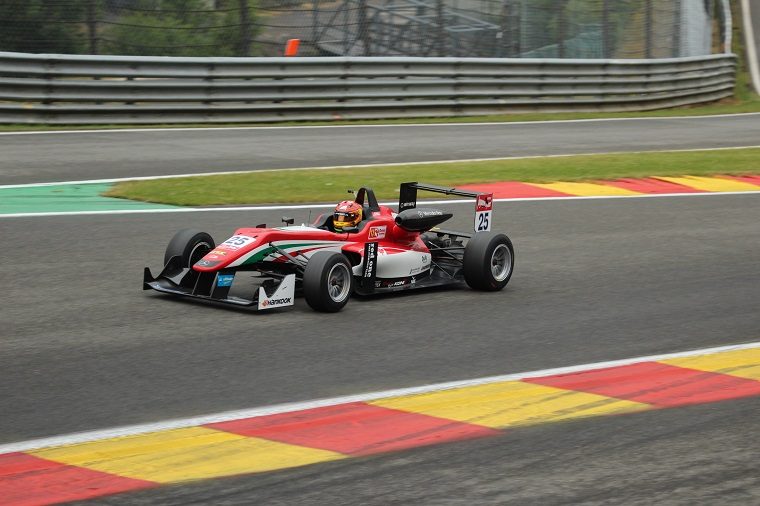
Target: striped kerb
{"points": [[297, 438]]}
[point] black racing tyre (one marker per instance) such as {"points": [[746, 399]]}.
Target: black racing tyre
{"points": [[489, 259], [190, 244], [328, 281]]}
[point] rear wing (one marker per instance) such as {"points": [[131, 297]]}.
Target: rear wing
{"points": [[483, 201]]}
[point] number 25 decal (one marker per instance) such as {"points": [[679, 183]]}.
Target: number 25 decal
{"points": [[237, 241], [483, 221]]}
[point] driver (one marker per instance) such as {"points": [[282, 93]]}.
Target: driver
{"points": [[347, 214]]}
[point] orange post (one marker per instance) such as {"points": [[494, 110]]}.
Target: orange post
{"points": [[291, 47]]}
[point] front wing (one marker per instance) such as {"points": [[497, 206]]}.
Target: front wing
{"points": [[215, 286]]}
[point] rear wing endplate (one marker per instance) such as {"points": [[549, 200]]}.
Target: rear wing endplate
{"points": [[483, 204]]}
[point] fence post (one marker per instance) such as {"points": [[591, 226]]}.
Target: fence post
{"points": [[677, 16], [92, 25], [606, 36], [561, 28], [364, 27], [245, 28], [441, 29], [648, 27]]}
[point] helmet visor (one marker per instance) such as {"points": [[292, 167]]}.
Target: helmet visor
{"points": [[343, 218]]}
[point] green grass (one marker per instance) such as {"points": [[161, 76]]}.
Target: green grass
{"points": [[294, 186]]}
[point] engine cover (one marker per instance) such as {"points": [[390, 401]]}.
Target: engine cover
{"points": [[421, 219]]}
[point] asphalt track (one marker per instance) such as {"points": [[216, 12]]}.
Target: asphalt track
{"points": [[31, 158], [83, 348]]}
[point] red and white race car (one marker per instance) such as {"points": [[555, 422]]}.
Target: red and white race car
{"points": [[385, 251]]}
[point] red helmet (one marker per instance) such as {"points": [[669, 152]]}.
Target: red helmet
{"points": [[347, 214]]}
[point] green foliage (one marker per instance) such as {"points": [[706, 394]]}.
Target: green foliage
{"points": [[39, 26], [179, 28], [132, 27]]}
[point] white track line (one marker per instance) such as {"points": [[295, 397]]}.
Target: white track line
{"points": [[365, 166], [385, 125], [326, 206], [95, 435]]}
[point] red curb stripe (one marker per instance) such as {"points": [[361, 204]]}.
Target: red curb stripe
{"points": [[654, 383], [513, 189], [355, 429], [755, 180], [650, 185], [28, 480]]}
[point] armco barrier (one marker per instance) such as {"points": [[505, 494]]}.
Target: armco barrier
{"points": [[64, 89]]}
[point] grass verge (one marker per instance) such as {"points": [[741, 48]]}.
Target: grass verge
{"points": [[294, 186]]}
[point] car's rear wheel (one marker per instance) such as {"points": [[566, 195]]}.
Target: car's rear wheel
{"points": [[489, 259], [190, 245], [328, 281]]}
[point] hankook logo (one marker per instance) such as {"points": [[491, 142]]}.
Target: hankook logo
{"points": [[276, 302]]}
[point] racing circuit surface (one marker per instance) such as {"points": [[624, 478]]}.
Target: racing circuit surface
{"points": [[84, 348], [34, 157]]}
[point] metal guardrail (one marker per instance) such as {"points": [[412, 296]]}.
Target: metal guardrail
{"points": [[63, 89]]}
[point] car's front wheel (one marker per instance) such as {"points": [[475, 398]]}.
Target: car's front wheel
{"points": [[489, 259], [328, 281], [190, 245]]}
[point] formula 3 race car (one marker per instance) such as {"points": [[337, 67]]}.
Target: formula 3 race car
{"points": [[386, 251]]}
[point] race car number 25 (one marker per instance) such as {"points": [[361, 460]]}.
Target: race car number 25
{"points": [[483, 209], [483, 221], [237, 242]]}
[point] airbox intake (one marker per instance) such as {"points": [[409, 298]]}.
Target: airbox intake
{"points": [[421, 219]]}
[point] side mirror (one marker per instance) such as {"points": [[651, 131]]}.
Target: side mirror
{"points": [[288, 221]]}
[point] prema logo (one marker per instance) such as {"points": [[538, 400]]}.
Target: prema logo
{"points": [[485, 202], [377, 232]]}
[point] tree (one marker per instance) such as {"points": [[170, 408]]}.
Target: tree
{"points": [[40, 26], [182, 28]]}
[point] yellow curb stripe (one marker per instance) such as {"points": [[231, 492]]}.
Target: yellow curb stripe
{"points": [[711, 184], [185, 454], [585, 189], [740, 363], [178, 455], [510, 403]]}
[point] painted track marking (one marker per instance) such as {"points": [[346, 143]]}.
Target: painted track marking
{"points": [[99, 463]]}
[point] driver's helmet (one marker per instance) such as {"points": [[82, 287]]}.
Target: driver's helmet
{"points": [[347, 214]]}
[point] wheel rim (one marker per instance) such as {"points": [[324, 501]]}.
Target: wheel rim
{"points": [[199, 251], [501, 262], [338, 282]]}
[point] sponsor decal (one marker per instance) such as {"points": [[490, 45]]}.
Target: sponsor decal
{"points": [[206, 263], [406, 205], [432, 212], [218, 252], [390, 283], [285, 301], [417, 270], [370, 258], [236, 242], [377, 232], [224, 279], [485, 202], [282, 296]]}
